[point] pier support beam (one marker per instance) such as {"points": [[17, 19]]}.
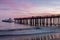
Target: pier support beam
{"points": [[50, 21], [40, 21], [58, 21], [46, 21], [43, 22], [31, 22]]}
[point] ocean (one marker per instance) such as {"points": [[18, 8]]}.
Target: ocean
{"points": [[7, 26]]}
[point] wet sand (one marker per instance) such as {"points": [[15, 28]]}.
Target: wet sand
{"points": [[51, 36]]}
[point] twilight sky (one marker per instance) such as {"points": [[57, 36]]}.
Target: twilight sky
{"points": [[24, 8]]}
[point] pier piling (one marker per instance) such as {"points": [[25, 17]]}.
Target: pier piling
{"points": [[53, 20]]}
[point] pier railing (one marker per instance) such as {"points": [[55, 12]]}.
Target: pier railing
{"points": [[53, 20]]}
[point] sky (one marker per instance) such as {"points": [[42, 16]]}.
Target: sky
{"points": [[26, 8]]}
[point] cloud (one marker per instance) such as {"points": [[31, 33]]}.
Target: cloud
{"points": [[20, 8]]}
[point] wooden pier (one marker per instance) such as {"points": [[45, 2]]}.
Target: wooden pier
{"points": [[53, 20]]}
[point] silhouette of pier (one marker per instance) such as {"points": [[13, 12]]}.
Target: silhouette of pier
{"points": [[52, 20]]}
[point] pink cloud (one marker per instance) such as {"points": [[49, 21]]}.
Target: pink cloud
{"points": [[26, 6], [16, 5]]}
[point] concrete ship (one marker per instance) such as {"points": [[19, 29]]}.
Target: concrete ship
{"points": [[7, 20]]}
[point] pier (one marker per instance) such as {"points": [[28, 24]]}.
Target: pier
{"points": [[52, 20]]}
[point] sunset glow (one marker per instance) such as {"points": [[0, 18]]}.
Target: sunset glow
{"points": [[24, 8]]}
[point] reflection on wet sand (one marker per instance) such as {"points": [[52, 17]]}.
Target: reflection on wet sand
{"points": [[32, 37]]}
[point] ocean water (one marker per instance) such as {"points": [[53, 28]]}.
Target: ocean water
{"points": [[7, 26]]}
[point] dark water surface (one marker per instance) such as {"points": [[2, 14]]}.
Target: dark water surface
{"points": [[5, 26]]}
